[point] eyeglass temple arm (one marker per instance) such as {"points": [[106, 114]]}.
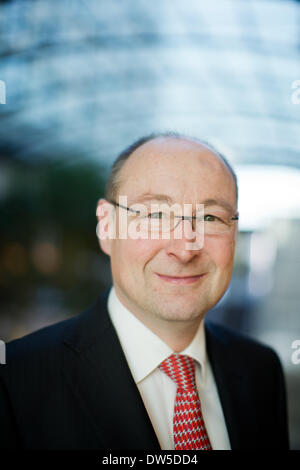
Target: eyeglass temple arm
{"points": [[192, 217], [124, 207]]}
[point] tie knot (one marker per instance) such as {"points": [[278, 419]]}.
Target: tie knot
{"points": [[181, 369]]}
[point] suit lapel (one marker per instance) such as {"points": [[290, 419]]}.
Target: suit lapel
{"points": [[96, 368], [234, 387]]}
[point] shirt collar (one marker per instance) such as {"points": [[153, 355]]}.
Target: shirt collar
{"points": [[143, 349]]}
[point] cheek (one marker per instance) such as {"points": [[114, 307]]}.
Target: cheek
{"points": [[221, 252], [133, 254]]}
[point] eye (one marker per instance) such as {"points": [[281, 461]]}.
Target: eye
{"points": [[209, 218], [212, 218], [155, 215]]}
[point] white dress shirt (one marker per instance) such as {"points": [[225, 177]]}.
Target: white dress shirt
{"points": [[144, 351]]}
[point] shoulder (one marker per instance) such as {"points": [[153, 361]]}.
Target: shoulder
{"points": [[47, 343], [41, 349], [240, 347]]}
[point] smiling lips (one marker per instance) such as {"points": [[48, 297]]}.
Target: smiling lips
{"points": [[180, 279]]}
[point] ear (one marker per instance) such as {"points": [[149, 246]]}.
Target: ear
{"points": [[105, 227]]}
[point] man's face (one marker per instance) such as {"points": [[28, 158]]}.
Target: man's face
{"points": [[161, 278]]}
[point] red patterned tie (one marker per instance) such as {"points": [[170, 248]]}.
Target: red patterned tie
{"points": [[188, 424]]}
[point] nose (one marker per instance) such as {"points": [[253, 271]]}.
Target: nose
{"points": [[184, 243]]}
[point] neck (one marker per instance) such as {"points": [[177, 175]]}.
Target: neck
{"points": [[176, 334]]}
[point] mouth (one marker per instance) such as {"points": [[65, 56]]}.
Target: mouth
{"points": [[181, 280]]}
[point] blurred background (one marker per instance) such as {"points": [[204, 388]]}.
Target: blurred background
{"points": [[81, 80]]}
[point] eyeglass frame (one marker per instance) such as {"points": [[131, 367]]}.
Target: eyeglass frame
{"points": [[182, 217]]}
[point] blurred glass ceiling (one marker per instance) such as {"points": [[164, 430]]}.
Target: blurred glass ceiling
{"points": [[91, 76]]}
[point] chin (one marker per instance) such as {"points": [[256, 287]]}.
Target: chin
{"points": [[180, 311], [182, 316]]}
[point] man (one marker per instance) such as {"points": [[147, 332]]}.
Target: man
{"points": [[140, 369]]}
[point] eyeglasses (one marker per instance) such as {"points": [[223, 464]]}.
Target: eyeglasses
{"points": [[215, 221]]}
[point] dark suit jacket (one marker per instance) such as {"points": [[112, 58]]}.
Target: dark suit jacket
{"points": [[68, 386]]}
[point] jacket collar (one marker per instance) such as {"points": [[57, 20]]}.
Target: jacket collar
{"points": [[96, 367], [233, 382]]}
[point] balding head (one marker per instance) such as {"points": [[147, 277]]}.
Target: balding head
{"points": [[160, 140]]}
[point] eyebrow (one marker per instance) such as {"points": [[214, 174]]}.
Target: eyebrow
{"points": [[154, 197], [164, 197], [218, 202]]}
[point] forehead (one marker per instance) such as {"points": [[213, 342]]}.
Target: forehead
{"points": [[183, 169]]}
